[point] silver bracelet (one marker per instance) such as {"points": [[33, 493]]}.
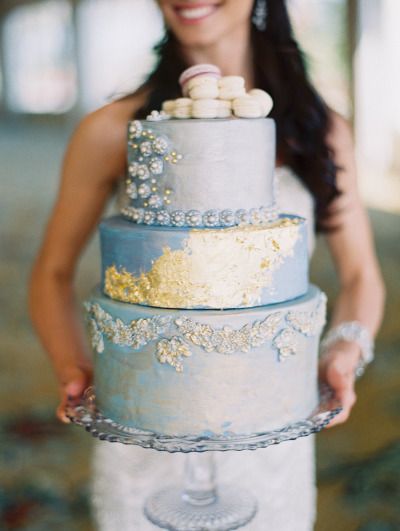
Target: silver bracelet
{"points": [[352, 331]]}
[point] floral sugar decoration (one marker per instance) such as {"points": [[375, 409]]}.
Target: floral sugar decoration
{"points": [[174, 337], [172, 351], [286, 343], [149, 156], [302, 322], [135, 334], [227, 340]]}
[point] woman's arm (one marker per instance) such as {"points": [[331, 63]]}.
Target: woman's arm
{"points": [[94, 160], [361, 296]]}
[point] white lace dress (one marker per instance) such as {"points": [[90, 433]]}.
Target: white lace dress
{"points": [[281, 477]]}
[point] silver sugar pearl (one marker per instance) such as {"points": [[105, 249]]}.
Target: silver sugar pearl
{"points": [[144, 190], [149, 217], [135, 129], [160, 145], [143, 172], [156, 166], [241, 216], [135, 214], [131, 190], [193, 218], [133, 169], [163, 217], [211, 218], [146, 148], [178, 218], [255, 216], [227, 218], [155, 201], [138, 215]]}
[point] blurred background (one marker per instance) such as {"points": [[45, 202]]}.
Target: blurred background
{"points": [[60, 59]]}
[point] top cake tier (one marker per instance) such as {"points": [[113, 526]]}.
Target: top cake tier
{"points": [[200, 173]]}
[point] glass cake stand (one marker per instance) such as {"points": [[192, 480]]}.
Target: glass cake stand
{"points": [[200, 505]]}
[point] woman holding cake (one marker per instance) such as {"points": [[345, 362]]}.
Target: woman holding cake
{"points": [[316, 167]]}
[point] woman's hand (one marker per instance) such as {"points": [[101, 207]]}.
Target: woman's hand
{"points": [[74, 379], [337, 368]]}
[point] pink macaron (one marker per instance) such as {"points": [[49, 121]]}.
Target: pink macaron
{"points": [[198, 70]]}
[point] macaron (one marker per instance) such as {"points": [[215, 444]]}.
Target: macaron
{"points": [[195, 71], [203, 87], [247, 107], [168, 106], [231, 87], [183, 108], [264, 99], [224, 109], [205, 108]]}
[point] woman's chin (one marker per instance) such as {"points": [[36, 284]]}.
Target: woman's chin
{"points": [[196, 38]]}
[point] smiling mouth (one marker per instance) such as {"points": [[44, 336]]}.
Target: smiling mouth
{"points": [[195, 13]]}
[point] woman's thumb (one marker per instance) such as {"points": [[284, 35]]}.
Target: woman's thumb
{"points": [[75, 383]]}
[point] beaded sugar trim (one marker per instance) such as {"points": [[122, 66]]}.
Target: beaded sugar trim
{"points": [[283, 329], [195, 218]]}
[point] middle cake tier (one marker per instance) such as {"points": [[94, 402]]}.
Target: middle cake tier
{"points": [[235, 267]]}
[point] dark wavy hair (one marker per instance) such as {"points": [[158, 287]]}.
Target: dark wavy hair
{"points": [[302, 117]]}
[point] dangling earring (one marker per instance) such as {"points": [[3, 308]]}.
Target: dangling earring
{"points": [[260, 14]]}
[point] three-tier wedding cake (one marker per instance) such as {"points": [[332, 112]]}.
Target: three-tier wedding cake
{"points": [[205, 322]]}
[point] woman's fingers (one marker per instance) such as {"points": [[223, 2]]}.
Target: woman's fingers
{"points": [[347, 398], [338, 371], [74, 381], [61, 414]]}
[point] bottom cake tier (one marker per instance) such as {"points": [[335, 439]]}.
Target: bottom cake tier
{"points": [[201, 372]]}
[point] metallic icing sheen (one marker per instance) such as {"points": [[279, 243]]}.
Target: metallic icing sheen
{"points": [[234, 267], [208, 164], [222, 387]]}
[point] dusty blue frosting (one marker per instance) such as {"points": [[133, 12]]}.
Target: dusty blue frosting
{"points": [[134, 248], [259, 379], [200, 172], [205, 370]]}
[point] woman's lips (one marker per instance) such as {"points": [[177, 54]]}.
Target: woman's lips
{"points": [[195, 13]]}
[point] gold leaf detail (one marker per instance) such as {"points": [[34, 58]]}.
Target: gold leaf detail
{"points": [[218, 268]]}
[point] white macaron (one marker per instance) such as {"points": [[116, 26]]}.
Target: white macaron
{"points": [[205, 108], [247, 107], [183, 108], [231, 87], [203, 87], [224, 109], [168, 106], [264, 98]]}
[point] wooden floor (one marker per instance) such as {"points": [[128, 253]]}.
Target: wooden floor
{"points": [[44, 466]]}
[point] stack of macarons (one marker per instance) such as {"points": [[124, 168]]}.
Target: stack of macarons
{"points": [[208, 94]]}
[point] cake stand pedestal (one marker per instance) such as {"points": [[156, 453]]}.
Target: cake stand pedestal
{"points": [[200, 505]]}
